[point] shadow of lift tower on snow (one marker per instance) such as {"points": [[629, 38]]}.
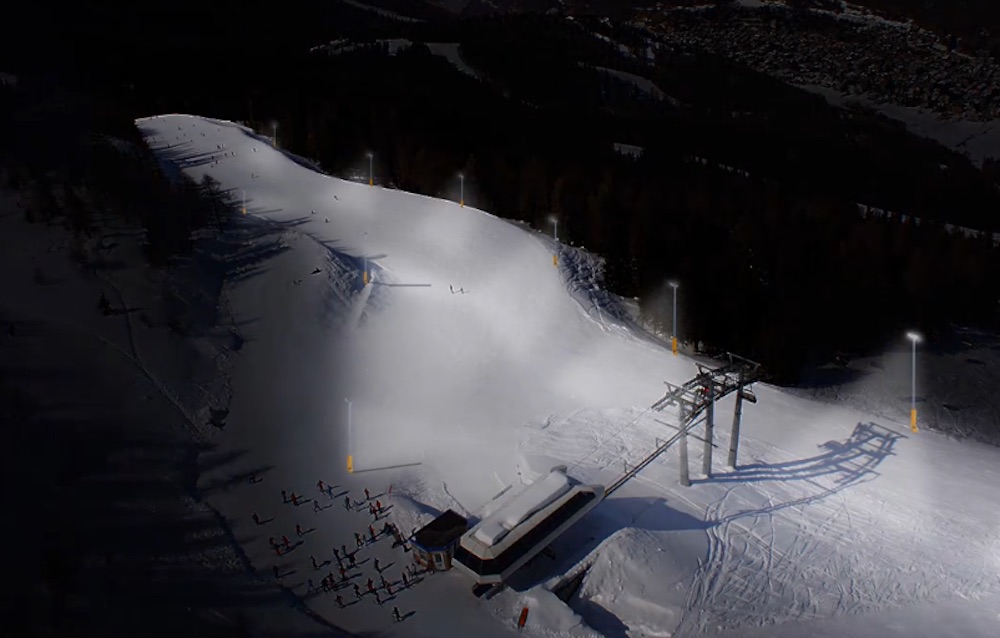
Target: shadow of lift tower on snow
{"points": [[839, 465]]}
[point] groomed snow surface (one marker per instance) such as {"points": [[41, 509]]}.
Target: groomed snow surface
{"points": [[471, 365]]}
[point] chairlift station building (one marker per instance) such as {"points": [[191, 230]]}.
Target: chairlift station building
{"points": [[507, 539]]}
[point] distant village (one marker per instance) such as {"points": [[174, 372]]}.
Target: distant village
{"points": [[888, 62]]}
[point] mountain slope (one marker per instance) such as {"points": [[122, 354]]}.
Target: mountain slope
{"points": [[470, 366]]}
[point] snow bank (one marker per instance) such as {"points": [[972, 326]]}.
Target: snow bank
{"points": [[636, 578], [547, 615]]}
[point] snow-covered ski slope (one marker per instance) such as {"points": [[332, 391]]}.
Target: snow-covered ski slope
{"points": [[833, 517]]}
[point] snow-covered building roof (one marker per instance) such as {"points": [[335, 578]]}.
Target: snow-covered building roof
{"points": [[512, 535], [629, 150], [535, 497]]}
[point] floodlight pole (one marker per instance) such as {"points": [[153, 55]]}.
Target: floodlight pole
{"points": [[371, 169], [673, 337], [555, 236], [461, 177], [914, 338], [350, 457]]}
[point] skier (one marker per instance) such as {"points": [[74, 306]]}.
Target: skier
{"points": [[273, 543], [316, 507], [277, 574], [329, 492], [368, 496], [358, 540], [343, 574], [295, 499], [256, 519], [371, 532], [325, 584], [311, 587], [396, 615], [371, 510], [378, 506], [347, 502], [284, 539], [385, 583], [350, 559], [378, 598], [371, 585], [313, 559], [319, 484], [343, 549], [357, 591], [336, 553], [340, 601], [376, 566], [451, 288], [298, 530]]}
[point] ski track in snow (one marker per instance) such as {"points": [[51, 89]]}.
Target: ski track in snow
{"points": [[136, 357]]}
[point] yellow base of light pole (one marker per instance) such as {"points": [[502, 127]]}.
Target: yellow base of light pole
{"points": [[462, 203], [371, 182], [673, 344], [350, 464], [244, 209], [913, 419], [555, 260], [364, 277]]}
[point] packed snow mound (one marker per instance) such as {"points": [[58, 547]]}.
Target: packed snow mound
{"points": [[634, 576], [547, 615]]}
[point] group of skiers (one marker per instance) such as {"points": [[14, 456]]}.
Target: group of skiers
{"points": [[346, 560]]}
